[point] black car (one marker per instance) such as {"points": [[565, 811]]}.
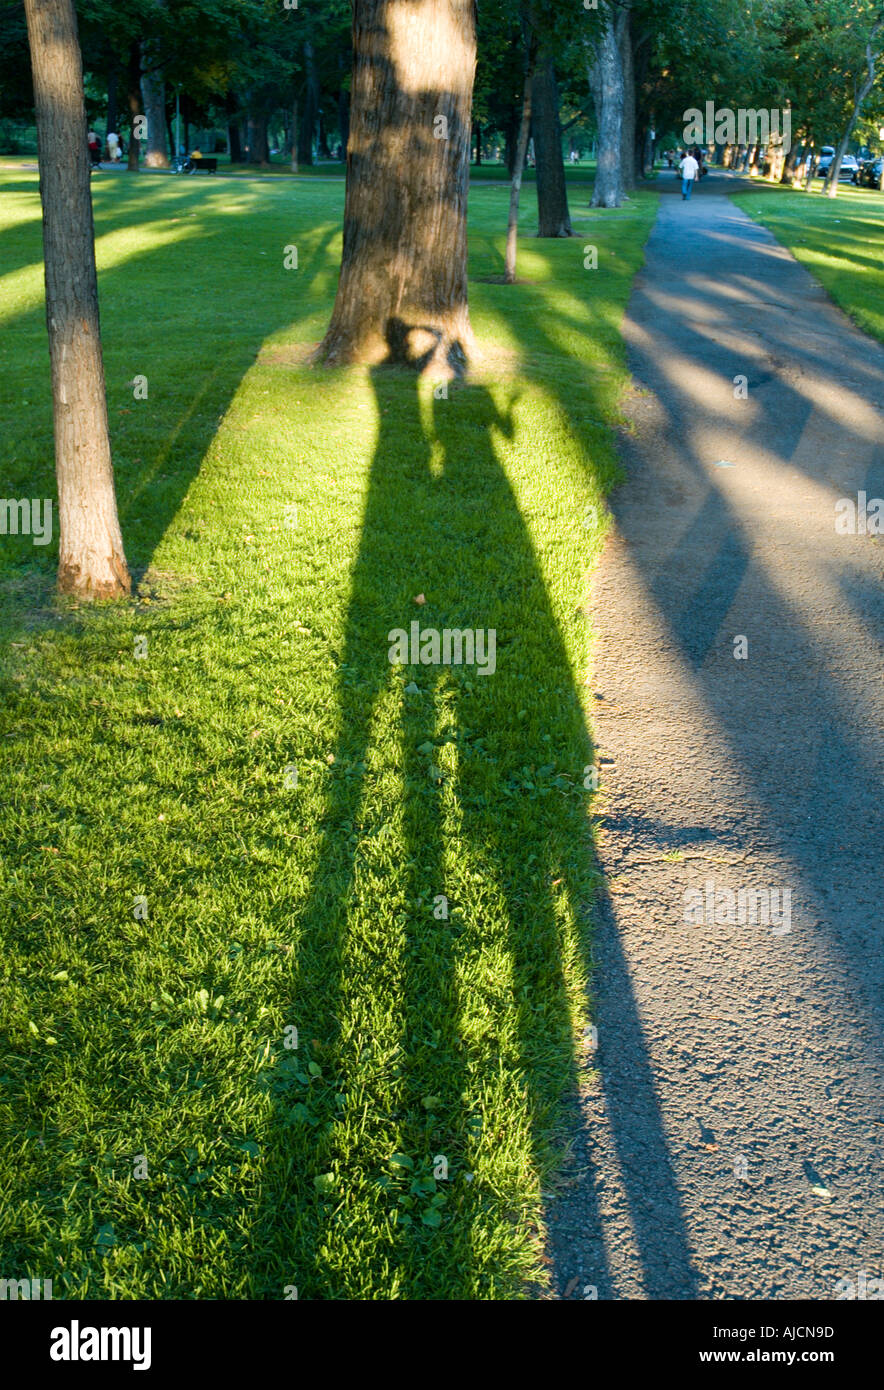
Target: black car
{"points": [[869, 175]]}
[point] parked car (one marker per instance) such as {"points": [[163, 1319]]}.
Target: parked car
{"points": [[848, 164], [869, 175]]}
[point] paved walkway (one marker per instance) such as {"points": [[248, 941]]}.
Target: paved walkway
{"points": [[731, 1147]]}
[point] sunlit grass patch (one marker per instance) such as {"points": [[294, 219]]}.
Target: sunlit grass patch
{"points": [[260, 824], [840, 240]]}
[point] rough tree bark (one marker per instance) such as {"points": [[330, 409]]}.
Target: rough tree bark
{"points": [[790, 164], [553, 218], [607, 86], [153, 93], [91, 562], [402, 293]]}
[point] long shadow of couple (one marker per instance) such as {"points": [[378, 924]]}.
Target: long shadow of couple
{"points": [[420, 1030]]}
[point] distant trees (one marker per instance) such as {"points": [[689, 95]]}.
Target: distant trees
{"points": [[859, 47]]}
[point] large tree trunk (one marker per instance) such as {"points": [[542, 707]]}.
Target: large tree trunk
{"points": [[259, 150], [402, 293], [153, 92], [310, 107], [512, 230], [91, 562], [790, 165], [606, 83], [234, 141], [553, 218], [133, 97]]}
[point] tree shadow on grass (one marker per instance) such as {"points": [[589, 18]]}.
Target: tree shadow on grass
{"points": [[432, 993], [696, 565], [158, 443]]}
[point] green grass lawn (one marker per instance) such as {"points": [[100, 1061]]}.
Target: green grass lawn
{"points": [[840, 240], [280, 167], [487, 171], [251, 827]]}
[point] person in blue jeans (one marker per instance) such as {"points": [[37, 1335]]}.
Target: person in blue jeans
{"points": [[689, 171]]}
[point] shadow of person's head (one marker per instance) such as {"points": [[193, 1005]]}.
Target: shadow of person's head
{"points": [[417, 346]]}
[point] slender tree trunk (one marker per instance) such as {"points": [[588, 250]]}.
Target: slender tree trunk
{"points": [[553, 218], [310, 107], [624, 43], [322, 142], [133, 96], [478, 130], [295, 136], [606, 83], [111, 102], [91, 562], [234, 141], [153, 92], [647, 154], [511, 142], [344, 118], [512, 230], [831, 187], [402, 294]]}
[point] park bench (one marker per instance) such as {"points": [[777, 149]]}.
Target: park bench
{"points": [[207, 166]]}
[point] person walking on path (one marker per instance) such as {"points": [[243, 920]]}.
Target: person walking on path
{"points": [[689, 171]]}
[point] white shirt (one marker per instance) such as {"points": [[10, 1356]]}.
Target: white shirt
{"points": [[689, 167]]}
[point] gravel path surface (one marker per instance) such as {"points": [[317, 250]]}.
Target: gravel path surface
{"points": [[729, 1141]]}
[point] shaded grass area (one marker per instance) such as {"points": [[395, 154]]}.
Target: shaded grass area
{"points": [[230, 825], [840, 240], [487, 170], [280, 167]]}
